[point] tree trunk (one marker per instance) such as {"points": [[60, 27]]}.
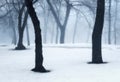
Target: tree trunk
{"points": [[20, 45], [109, 29], [57, 34], [12, 24], [45, 30], [14, 41], [97, 32], [115, 22], [38, 39], [75, 28], [27, 33], [62, 35], [21, 27]]}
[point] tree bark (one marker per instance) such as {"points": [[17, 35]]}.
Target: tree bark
{"points": [[97, 32], [38, 39]]}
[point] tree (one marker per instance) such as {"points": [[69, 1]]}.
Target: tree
{"points": [[61, 26], [38, 38], [115, 22], [8, 14], [109, 29], [22, 22], [97, 33]]}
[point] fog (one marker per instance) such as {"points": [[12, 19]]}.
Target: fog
{"points": [[78, 29]]}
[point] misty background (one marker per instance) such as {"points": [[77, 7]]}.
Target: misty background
{"points": [[79, 26]]}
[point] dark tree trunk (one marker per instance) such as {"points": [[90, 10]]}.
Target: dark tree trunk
{"points": [[38, 39], [20, 45], [97, 33], [21, 28]]}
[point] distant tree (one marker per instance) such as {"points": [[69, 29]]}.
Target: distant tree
{"points": [[115, 22], [46, 14], [97, 33], [22, 22], [61, 26], [38, 38], [109, 20], [7, 16]]}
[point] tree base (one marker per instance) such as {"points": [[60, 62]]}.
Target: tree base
{"points": [[97, 62], [41, 70], [20, 47]]}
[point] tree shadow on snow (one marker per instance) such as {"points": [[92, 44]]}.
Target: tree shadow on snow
{"points": [[97, 62], [20, 49]]}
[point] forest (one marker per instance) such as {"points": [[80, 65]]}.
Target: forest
{"points": [[59, 23], [46, 30]]}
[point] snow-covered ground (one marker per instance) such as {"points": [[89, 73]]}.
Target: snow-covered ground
{"points": [[68, 63]]}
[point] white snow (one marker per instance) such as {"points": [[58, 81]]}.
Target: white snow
{"points": [[68, 63]]}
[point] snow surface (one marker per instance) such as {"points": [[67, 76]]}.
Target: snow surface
{"points": [[68, 63]]}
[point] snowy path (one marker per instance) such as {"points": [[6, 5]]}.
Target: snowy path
{"points": [[68, 64]]}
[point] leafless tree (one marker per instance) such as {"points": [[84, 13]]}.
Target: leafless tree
{"points": [[97, 33], [38, 38]]}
